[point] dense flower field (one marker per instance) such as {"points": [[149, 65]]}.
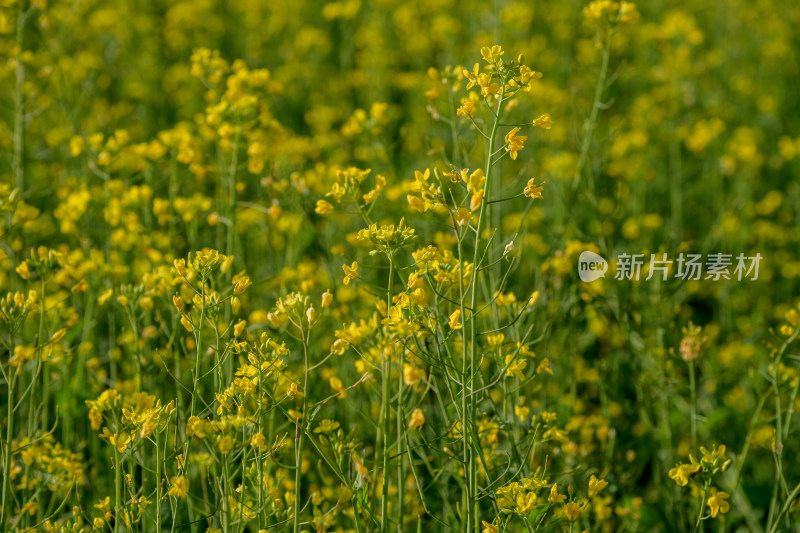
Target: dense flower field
{"points": [[414, 266]]}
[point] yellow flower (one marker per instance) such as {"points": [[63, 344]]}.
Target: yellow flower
{"points": [[327, 426], [293, 391], [180, 486], [488, 528], [350, 272], [487, 86], [472, 75], [515, 368], [337, 385], [323, 207], [476, 200], [23, 270], [340, 346], [596, 485], [462, 216], [492, 55], [417, 419], [225, 444], [555, 497], [597, 9], [196, 426], [572, 510], [467, 108], [628, 13], [77, 145], [532, 190], [412, 375], [258, 441], [714, 454], [717, 502], [543, 121], [241, 284], [417, 203], [454, 323], [682, 473], [526, 502], [515, 142], [544, 366]]}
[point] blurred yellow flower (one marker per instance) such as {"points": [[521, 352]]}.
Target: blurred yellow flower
{"points": [[350, 272]]}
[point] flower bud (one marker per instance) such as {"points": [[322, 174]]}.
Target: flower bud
{"points": [[226, 263], [180, 266], [327, 298], [534, 298], [274, 320], [58, 335]]}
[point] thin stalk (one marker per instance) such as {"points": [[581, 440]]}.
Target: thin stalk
{"points": [[199, 342], [794, 494], [355, 513], [589, 125], [19, 103], [400, 425], [117, 490], [386, 410], [7, 462], [298, 460], [702, 507], [472, 507], [693, 403], [198, 353], [39, 367], [158, 482], [778, 432]]}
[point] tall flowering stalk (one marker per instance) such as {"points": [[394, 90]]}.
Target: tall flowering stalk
{"points": [[499, 82]]}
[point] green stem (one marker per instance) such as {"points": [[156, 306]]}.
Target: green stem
{"points": [[199, 342], [298, 460], [19, 124], [589, 125], [193, 407], [400, 423], [469, 380], [7, 463], [40, 364], [702, 507], [794, 494], [355, 513], [158, 482], [386, 411], [693, 403], [778, 431], [117, 490]]}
